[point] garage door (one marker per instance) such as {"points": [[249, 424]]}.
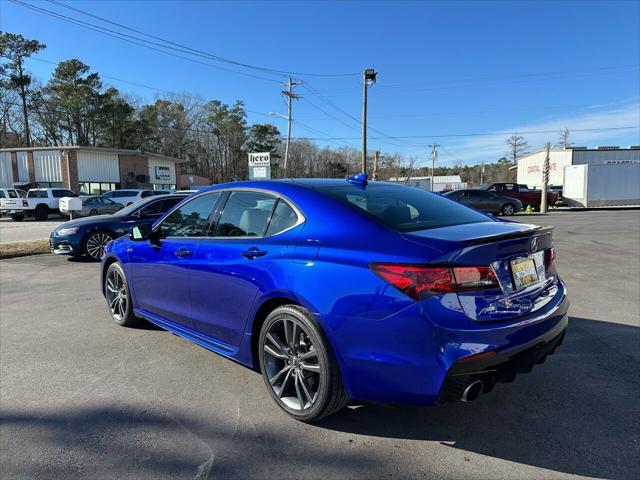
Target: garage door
{"points": [[46, 164]]}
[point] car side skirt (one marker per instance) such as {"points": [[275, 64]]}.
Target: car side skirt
{"points": [[205, 341]]}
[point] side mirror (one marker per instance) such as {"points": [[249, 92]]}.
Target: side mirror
{"points": [[142, 233]]}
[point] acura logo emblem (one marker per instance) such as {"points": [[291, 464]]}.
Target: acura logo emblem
{"points": [[534, 245]]}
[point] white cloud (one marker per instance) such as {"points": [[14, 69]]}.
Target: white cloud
{"points": [[490, 148]]}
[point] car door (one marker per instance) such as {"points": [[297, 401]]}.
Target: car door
{"points": [[254, 228], [159, 270]]}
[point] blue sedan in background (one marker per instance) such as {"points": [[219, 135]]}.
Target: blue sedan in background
{"points": [[90, 236], [345, 289]]}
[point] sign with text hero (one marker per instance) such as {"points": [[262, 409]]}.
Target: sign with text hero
{"points": [[259, 166]]}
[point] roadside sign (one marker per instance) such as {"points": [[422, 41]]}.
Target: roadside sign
{"points": [[259, 166]]}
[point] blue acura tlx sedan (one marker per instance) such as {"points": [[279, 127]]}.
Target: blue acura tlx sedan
{"points": [[345, 289]]}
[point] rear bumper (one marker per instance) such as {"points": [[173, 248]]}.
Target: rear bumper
{"points": [[491, 367], [410, 358]]}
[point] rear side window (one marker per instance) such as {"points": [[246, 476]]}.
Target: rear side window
{"points": [[2, 194], [13, 194], [245, 214], [405, 208], [37, 194], [283, 217], [146, 194]]}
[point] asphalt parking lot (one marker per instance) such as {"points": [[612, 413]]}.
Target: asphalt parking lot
{"points": [[83, 398]]}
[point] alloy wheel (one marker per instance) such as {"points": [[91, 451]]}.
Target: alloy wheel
{"points": [[117, 296], [96, 244], [291, 364], [508, 209]]}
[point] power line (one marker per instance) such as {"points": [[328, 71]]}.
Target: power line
{"points": [[170, 92], [131, 39], [488, 82], [450, 135], [484, 134], [168, 43], [347, 114], [474, 112]]}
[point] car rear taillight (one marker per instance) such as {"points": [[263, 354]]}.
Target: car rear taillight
{"points": [[420, 281], [25, 203], [549, 257]]}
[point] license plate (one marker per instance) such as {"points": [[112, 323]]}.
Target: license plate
{"points": [[524, 272]]}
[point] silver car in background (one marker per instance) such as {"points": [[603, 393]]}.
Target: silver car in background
{"points": [[92, 206]]}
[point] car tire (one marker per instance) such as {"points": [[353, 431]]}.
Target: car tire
{"points": [[508, 209], [93, 213], [301, 375], [17, 217], [118, 295], [41, 213], [95, 243]]}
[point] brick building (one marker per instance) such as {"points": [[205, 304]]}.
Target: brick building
{"points": [[88, 170]]}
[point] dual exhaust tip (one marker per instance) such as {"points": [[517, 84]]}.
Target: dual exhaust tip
{"points": [[472, 391]]}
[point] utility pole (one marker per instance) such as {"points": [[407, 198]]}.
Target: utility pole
{"points": [[368, 76], [290, 96], [545, 178], [434, 157]]}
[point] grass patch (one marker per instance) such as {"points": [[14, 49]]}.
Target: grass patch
{"points": [[23, 249]]}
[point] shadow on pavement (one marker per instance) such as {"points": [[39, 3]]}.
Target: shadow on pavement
{"points": [[577, 413]]}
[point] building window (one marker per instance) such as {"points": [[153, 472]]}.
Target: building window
{"points": [[164, 186], [97, 188], [49, 184]]}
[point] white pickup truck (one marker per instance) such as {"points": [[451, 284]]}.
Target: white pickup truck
{"points": [[39, 202]]}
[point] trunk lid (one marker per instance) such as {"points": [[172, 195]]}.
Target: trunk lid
{"points": [[516, 252]]}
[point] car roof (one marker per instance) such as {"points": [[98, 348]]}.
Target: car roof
{"points": [[310, 183]]}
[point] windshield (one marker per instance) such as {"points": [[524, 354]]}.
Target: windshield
{"points": [[484, 186], [405, 208]]}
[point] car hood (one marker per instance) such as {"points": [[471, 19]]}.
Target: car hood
{"points": [[85, 221]]}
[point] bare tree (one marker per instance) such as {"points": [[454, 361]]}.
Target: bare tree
{"points": [[564, 139], [518, 147]]}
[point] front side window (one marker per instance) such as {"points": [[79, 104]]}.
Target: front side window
{"points": [[190, 220], [245, 214]]}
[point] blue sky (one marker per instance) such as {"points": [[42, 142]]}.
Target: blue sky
{"points": [[447, 70]]}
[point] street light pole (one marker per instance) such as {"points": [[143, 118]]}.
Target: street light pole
{"points": [[434, 157], [368, 76]]}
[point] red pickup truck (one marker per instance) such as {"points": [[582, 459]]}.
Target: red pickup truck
{"points": [[521, 192]]}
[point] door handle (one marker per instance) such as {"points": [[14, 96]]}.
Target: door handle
{"points": [[253, 252], [182, 252]]}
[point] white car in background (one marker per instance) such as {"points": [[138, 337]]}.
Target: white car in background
{"points": [[11, 193], [39, 203], [128, 196]]}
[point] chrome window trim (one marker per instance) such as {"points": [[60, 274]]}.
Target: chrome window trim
{"points": [[300, 220]]}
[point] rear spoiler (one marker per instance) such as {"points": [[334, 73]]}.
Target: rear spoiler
{"points": [[506, 236]]}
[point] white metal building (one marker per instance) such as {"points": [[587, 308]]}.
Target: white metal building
{"points": [[87, 169], [530, 167], [440, 182]]}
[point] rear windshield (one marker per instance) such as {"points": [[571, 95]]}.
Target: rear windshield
{"points": [[405, 208]]}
